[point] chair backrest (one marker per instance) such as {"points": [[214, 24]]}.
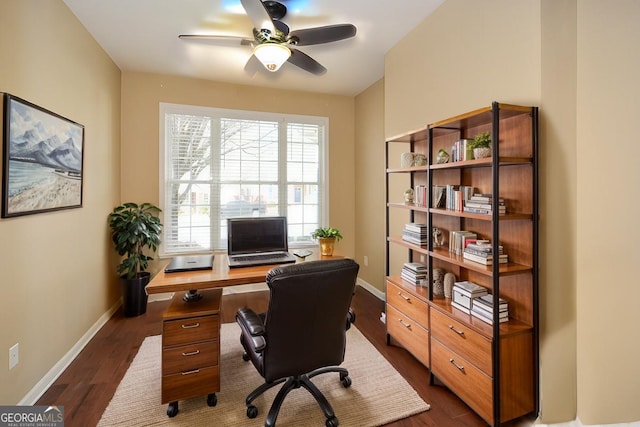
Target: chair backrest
{"points": [[305, 324]]}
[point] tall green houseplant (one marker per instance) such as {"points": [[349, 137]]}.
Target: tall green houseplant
{"points": [[135, 232]]}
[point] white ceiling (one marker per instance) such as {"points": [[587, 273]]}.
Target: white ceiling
{"points": [[142, 35]]}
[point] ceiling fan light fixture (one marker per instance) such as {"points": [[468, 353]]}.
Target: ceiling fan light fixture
{"points": [[272, 55]]}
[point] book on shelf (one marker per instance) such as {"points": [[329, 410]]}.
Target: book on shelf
{"points": [[482, 308], [476, 309], [465, 293], [415, 267], [502, 258], [483, 204], [469, 288], [439, 196], [484, 252], [487, 319], [487, 302], [457, 195], [420, 195], [417, 227], [457, 240], [484, 198], [460, 307]]}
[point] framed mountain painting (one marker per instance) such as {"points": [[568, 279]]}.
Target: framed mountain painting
{"points": [[42, 160]]}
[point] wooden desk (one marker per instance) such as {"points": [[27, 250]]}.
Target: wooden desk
{"points": [[219, 277]]}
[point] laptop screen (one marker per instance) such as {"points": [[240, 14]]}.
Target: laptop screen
{"points": [[255, 235]]}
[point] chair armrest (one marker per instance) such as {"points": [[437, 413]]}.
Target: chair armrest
{"points": [[351, 317], [252, 328], [250, 321]]}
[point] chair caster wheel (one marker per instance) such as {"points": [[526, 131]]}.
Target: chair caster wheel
{"points": [[245, 357], [212, 399], [252, 411], [346, 382], [332, 422], [172, 409]]}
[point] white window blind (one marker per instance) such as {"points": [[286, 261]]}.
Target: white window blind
{"points": [[217, 164]]}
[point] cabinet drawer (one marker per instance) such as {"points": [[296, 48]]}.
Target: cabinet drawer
{"points": [[189, 330], [469, 344], [464, 379], [189, 357], [413, 307], [188, 384], [410, 334]]}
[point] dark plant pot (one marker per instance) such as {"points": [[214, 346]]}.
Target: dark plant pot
{"points": [[134, 297]]}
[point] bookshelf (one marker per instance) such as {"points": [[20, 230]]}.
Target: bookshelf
{"points": [[492, 366]]}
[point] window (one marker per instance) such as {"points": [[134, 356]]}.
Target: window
{"points": [[218, 164]]}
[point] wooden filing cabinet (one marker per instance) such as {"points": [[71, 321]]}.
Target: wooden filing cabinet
{"points": [[461, 357], [191, 349], [408, 317]]}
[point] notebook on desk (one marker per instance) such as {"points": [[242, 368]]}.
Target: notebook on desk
{"points": [[257, 241], [189, 263]]}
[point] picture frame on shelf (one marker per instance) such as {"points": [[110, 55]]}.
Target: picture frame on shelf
{"points": [[42, 159]]}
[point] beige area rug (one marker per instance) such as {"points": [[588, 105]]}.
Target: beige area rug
{"points": [[377, 396]]}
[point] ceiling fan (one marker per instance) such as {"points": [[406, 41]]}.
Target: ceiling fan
{"points": [[274, 44]]}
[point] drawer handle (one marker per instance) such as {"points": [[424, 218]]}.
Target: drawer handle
{"points": [[461, 333], [407, 299], [192, 353], [195, 371], [406, 325], [453, 362], [194, 325]]}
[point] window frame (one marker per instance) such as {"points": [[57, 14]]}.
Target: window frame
{"points": [[283, 120]]}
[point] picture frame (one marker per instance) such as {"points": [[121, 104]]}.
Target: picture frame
{"points": [[43, 159]]}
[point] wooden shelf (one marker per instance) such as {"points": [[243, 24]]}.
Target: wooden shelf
{"points": [[502, 358]]}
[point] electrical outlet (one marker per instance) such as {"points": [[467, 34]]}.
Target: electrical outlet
{"points": [[422, 258], [366, 261], [14, 356]]}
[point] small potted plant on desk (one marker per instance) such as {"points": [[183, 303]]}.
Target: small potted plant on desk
{"points": [[327, 238], [133, 228], [481, 145]]}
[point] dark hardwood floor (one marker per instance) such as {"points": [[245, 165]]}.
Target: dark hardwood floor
{"points": [[86, 387]]}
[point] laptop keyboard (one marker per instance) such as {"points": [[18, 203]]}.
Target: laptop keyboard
{"points": [[264, 257]]}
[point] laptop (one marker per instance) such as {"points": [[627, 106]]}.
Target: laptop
{"points": [[190, 263], [257, 241]]}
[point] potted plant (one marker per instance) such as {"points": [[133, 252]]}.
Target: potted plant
{"points": [[135, 231], [481, 145], [327, 238]]}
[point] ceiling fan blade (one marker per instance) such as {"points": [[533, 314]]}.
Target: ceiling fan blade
{"points": [[258, 14], [281, 26], [220, 40], [307, 63], [253, 65], [319, 35]]}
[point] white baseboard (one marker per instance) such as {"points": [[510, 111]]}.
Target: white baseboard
{"points": [[45, 382], [375, 291]]}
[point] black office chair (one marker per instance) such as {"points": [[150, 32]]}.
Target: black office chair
{"points": [[303, 332]]}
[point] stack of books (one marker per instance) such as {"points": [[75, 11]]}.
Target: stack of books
{"points": [[482, 308], [414, 273], [415, 233], [465, 293], [481, 251], [482, 204]]}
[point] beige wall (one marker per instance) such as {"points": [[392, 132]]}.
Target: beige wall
{"points": [[578, 61], [608, 204], [57, 275], [142, 94], [370, 184]]}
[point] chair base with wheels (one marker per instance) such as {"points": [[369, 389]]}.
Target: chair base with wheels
{"points": [[291, 383]]}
